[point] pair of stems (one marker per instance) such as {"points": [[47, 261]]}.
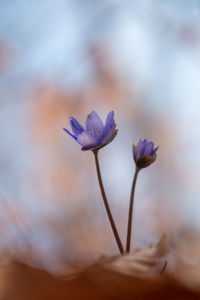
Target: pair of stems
{"points": [[110, 217]]}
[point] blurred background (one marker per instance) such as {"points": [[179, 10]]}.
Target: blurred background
{"points": [[66, 58]]}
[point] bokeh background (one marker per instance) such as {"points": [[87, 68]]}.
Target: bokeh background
{"points": [[62, 58]]}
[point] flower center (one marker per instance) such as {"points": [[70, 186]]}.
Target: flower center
{"points": [[95, 132]]}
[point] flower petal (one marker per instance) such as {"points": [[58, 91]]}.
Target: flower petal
{"points": [[109, 128], [70, 133], [109, 134], [145, 141], [77, 128], [154, 150], [86, 140], [148, 150], [139, 150], [94, 125]]}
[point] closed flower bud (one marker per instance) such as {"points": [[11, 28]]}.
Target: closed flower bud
{"points": [[144, 154]]}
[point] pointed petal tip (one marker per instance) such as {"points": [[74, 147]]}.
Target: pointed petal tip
{"points": [[111, 114], [71, 119], [76, 127], [145, 141], [93, 113], [73, 136], [66, 130], [154, 151]]}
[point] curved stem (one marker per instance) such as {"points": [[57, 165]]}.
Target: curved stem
{"points": [[112, 223], [128, 241]]}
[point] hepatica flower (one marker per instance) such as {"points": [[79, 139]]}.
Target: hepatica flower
{"points": [[144, 153], [96, 135]]}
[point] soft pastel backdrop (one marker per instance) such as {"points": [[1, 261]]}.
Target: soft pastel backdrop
{"points": [[61, 58]]}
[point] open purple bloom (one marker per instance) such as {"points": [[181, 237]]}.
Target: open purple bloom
{"points": [[144, 153], [96, 135]]}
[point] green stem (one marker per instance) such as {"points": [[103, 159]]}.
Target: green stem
{"points": [[112, 223], [129, 228]]}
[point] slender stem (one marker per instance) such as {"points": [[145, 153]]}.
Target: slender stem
{"points": [[128, 241], [112, 223]]}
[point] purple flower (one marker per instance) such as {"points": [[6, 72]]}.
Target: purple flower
{"points": [[96, 135], [144, 153]]}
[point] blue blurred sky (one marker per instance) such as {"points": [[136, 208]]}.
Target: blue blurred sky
{"points": [[155, 44]]}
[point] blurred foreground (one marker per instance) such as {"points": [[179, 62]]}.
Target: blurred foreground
{"points": [[143, 274]]}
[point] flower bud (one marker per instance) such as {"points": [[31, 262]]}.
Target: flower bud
{"points": [[144, 154]]}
